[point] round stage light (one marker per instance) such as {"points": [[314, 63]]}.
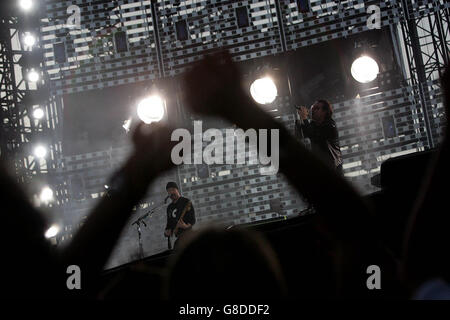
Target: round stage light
{"points": [[264, 90], [40, 151], [29, 40], [26, 4], [38, 113], [33, 76], [151, 109], [46, 194], [365, 69], [52, 231]]}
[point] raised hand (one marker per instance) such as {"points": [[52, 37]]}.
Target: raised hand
{"points": [[303, 112], [94, 242], [151, 156], [213, 86]]}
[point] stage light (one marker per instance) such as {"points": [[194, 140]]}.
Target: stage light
{"points": [[365, 69], [52, 231], [151, 109], [33, 76], [29, 40], [40, 151], [26, 4], [263, 90], [46, 194], [31, 59], [127, 124], [38, 113]]}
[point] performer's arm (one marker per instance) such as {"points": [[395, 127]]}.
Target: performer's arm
{"points": [[188, 220], [183, 225], [189, 217], [302, 124], [94, 242]]}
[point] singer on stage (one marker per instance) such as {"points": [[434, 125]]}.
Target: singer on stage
{"points": [[180, 213], [322, 132]]}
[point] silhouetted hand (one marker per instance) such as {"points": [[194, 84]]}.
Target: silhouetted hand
{"points": [[213, 86], [303, 113], [94, 242], [151, 156]]}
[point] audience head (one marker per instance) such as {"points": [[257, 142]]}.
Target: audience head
{"points": [[225, 264]]}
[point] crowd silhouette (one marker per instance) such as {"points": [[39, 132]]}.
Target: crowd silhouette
{"points": [[343, 239]]}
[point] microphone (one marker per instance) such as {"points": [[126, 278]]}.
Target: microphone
{"points": [[165, 200]]}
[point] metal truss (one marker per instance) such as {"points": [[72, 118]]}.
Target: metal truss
{"points": [[20, 131], [426, 37], [9, 99]]}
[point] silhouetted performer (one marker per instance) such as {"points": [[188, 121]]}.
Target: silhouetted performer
{"points": [[180, 213], [322, 132]]}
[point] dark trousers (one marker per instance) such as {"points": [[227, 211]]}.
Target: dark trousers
{"points": [[339, 170]]}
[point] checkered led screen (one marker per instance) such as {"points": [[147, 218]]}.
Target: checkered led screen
{"points": [[212, 25], [128, 41], [94, 58], [93, 61]]}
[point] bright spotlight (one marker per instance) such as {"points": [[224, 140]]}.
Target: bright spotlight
{"points": [[38, 113], [52, 231], [264, 90], [46, 194], [151, 109], [365, 69], [40, 151], [26, 4], [33, 76], [29, 40]]}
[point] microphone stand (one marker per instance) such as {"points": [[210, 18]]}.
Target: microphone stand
{"points": [[298, 128], [140, 221]]}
